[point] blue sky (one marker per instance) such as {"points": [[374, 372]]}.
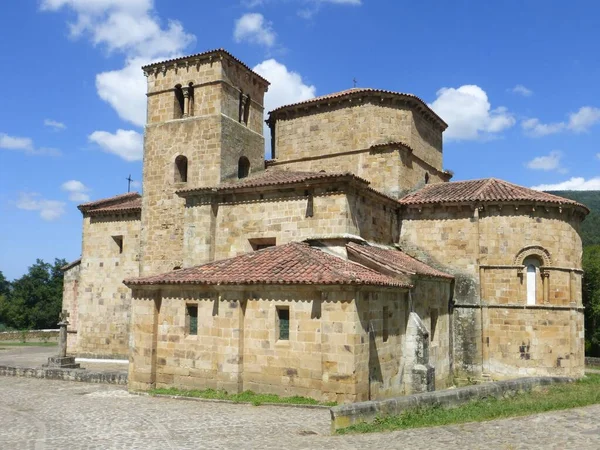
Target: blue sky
{"points": [[518, 84]]}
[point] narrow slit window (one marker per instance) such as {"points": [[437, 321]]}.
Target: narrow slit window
{"points": [[118, 244], [181, 169], [179, 102], [386, 325], [283, 322], [243, 167], [192, 320]]}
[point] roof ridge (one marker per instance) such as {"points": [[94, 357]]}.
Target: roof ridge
{"points": [[482, 188]]}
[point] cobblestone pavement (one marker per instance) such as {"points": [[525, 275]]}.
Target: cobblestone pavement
{"points": [[43, 414]]}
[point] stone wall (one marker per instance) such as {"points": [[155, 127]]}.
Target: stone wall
{"points": [[339, 348], [212, 137], [485, 248], [340, 137], [103, 311], [217, 228]]}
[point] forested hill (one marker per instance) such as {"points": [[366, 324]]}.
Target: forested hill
{"points": [[590, 229]]}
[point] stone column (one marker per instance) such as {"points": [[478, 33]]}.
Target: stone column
{"points": [[546, 285], [186, 102]]}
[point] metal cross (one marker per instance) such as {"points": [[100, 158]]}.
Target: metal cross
{"points": [[354, 81], [129, 180]]}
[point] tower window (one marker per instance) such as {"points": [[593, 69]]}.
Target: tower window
{"points": [[243, 167], [532, 266], [179, 107], [181, 168], [386, 324], [426, 177]]}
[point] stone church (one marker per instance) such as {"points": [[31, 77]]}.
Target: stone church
{"points": [[348, 267]]}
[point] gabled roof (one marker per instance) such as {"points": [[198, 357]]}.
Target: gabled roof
{"points": [[482, 191], [290, 264], [130, 202], [274, 177], [71, 265], [394, 260], [358, 92], [203, 55]]}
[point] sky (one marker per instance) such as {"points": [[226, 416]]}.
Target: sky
{"points": [[516, 81]]}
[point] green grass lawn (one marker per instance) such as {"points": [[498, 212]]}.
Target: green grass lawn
{"points": [[28, 344], [244, 397], [560, 396]]}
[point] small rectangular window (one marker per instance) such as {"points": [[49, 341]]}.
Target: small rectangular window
{"points": [[119, 243], [283, 322], [192, 320], [386, 331], [260, 243]]}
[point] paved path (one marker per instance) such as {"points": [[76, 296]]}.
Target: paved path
{"points": [[16, 356], [43, 414]]}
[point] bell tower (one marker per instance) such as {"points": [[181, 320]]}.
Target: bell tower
{"points": [[204, 122]]}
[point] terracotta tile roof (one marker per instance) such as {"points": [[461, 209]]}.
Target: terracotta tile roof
{"points": [[293, 263], [71, 264], [394, 260], [272, 177], [354, 92], [132, 201], [208, 53], [481, 191]]}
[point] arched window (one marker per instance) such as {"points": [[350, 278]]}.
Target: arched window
{"points": [[179, 102], [532, 265], [181, 167], [243, 167]]}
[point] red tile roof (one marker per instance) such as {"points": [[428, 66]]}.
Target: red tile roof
{"points": [[206, 54], [481, 191], [132, 201], [356, 92], [273, 177], [394, 260], [293, 263]]}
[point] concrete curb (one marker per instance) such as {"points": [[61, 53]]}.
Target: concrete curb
{"points": [[346, 415], [83, 375], [216, 400]]}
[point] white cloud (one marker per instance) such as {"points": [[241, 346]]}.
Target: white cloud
{"points": [[286, 87], [127, 144], [125, 91], [573, 184], [548, 162], [533, 127], [130, 26], [522, 90], [78, 192], [584, 119], [253, 28], [579, 122], [58, 126], [25, 145], [468, 113], [313, 6], [48, 209]]}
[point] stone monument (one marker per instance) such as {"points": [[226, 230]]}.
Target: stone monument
{"points": [[62, 361]]}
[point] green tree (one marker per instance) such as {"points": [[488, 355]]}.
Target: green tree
{"points": [[35, 299], [591, 298]]}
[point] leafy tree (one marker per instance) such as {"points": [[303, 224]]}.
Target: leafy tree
{"points": [[34, 300], [591, 298]]}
